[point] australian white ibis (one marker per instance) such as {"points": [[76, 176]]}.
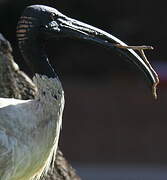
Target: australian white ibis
{"points": [[29, 129]]}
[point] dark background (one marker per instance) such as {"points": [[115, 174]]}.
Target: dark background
{"points": [[110, 115]]}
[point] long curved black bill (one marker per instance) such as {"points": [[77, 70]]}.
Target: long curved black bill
{"points": [[76, 29]]}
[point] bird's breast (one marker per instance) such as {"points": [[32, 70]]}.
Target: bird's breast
{"points": [[29, 137]]}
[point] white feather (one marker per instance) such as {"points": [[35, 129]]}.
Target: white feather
{"points": [[29, 131]]}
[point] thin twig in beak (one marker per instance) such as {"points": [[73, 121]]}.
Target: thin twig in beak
{"points": [[141, 51], [143, 47]]}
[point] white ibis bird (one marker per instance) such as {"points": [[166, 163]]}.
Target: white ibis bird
{"points": [[29, 129]]}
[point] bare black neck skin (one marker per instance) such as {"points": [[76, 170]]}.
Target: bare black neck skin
{"points": [[31, 47]]}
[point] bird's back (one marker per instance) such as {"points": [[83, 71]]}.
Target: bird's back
{"points": [[4, 102]]}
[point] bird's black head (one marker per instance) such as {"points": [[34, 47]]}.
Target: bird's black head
{"points": [[39, 22], [36, 24]]}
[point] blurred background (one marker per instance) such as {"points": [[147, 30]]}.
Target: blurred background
{"points": [[112, 126]]}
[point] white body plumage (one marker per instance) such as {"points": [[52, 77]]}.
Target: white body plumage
{"points": [[29, 131]]}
